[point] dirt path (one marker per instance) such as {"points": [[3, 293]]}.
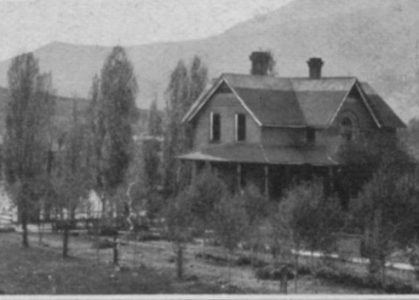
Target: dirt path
{"points": [[159, 255]]}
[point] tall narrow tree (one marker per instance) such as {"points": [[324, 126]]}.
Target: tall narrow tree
{"points": [[28, 114], [178, 93], [184, 88], [154, 120], [114, 112], [72, 174]]}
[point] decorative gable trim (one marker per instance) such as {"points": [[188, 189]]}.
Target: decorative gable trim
{"points": [[364, 100], [205, 97], [244, 104], [201, 101], [332, 119]]}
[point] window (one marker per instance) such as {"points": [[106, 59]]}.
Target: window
{"points": [[215, 127], [240, 127], [347, 129]]}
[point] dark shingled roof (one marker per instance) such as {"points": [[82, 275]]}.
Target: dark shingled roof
{"points": [[302, 102], [383, 112], [257, 153]]}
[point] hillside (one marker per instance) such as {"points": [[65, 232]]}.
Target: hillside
{"points": [[376, 41], [64, 110]]}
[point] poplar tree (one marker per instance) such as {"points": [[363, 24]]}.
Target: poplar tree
{"points": [[114, 112], [72, 174], [154, 120], [28, 115], [184, 88]]}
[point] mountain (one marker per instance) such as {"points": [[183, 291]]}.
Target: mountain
{"points": [[375, 40], [63, 109]]}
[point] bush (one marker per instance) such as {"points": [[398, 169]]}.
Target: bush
{"points": [[274, 272]]}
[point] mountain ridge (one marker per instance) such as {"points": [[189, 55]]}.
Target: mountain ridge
{"points": [[375, 41]]}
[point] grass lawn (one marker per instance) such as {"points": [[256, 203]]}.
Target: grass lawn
{"points": [[42, 271]]}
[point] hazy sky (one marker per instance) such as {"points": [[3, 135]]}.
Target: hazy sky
{"points": [[28, 24]]}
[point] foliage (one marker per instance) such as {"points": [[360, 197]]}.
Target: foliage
{"points": [[154, 120], [387, 205], [152, 177], [26, 142], [206, 192], [71, 175], [230, 221], [255, 204], [179, 217], [114, 111], [311, 217], [362, 158], [178, 220], [184, 87], [387, 210]]}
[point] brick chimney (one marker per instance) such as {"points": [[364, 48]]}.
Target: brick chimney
{"points": [[315, 65], [260, 62]]}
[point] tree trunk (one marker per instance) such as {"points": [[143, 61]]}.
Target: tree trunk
{"points": [[97, 233], [179, 261], [296, 271], [230, 264], [25, 241], [115, 250], [40, 232], [314, 271], [284, 281], [377, 263], [65, 240]]}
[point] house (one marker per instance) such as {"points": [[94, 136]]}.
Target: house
{"points": [[271, 131]]}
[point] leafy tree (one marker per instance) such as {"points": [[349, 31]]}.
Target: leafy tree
{"points": [[308, 219], [206, 192], [152, 174], [230, 224], [72, 174], [28, 114], [387, 209], [175, 140], [283, 240], [179, 219], [154, 120], [361, 159], [114, 111], [255, 204], [256, 207], [184, 87], [198, 79]]}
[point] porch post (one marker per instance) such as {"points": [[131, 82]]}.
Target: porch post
{"points": [[239, 177], [266, 178], [194, 171]]}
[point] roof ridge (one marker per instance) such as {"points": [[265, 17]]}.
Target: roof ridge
{"points": [[287, 77]]}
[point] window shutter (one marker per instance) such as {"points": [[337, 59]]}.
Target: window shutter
{"points": [[211, 126]]}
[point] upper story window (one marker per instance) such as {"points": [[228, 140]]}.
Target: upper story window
{"points": [[349, 128], [240, 127], [215, 127]]}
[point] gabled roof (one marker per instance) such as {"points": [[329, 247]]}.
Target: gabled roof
{"points": [[266, 154], [298, 102]]}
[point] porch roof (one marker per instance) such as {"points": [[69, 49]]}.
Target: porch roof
{"points": [[264, 154]]}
